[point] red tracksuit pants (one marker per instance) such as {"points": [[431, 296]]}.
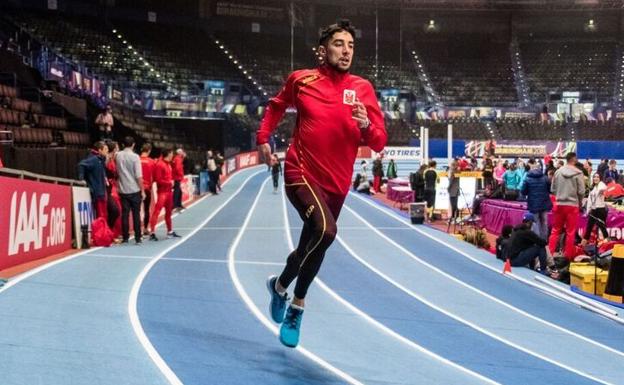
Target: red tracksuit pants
{"points": [[165, 199], [565, 218]]}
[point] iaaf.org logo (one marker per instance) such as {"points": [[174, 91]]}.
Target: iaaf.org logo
{"points": [[31, 219], [247, 160]]}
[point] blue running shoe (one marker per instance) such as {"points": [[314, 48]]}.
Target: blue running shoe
{"points": [[277, 307], [289, 332]]}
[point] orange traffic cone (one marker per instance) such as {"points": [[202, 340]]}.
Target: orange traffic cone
{"points": [[507, 267]]}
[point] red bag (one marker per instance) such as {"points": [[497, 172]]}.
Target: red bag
{"points": [[101, 235]]}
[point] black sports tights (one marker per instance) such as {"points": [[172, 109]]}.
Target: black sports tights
{"points": [[319, 211]]}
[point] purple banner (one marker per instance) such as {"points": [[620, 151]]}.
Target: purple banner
{"points": [[497, 213], [521, 148]]}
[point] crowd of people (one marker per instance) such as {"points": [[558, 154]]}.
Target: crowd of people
{"points": [[564, 187], [123, 183]]}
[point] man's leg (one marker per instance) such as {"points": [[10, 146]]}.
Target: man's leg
{"points": [[160, 203], [146, 208], [125, 212], [168, 202], [527, 256], [558, 220], [571, 223], [177, 194], [135, 205]]}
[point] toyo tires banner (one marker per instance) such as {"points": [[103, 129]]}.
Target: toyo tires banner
{"points": [[35, 220]]}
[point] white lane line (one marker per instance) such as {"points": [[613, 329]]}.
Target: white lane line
{"points": [[489, 296], [202, 260], [14, 281], [254, 309], [250, 228], [376, 323], [447, 313], [134, 293]]}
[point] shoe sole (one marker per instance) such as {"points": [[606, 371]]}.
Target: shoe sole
{"points": [[270, 289], [286, 344]]}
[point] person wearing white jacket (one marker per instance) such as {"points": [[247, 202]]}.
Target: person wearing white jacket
{"points": [[596, 209]]}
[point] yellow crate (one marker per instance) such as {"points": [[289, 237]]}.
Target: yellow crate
{"points": [[582, 276], [459, 236]]}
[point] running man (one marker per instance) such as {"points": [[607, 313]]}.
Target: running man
{"points": [[337, 112]]}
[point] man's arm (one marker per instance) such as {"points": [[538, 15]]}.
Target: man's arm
{"points": [[374, 135], [272, 116]]}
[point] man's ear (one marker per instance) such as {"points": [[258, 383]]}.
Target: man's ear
{"points": [[322, 51]]}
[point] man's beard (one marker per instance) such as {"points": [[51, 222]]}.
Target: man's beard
{"points": [[337, 68]]}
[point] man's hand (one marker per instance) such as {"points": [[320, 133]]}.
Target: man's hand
{"points": [[360, 114], [264, 152]]}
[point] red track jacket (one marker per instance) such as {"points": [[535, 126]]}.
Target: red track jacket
{"points": [[326, 138], [163, 175]]}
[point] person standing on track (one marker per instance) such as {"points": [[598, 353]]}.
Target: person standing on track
{"points": [[276, 171], [337, 112], [163, 177], [147, 165]]}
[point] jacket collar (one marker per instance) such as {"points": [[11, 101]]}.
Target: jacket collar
{"points": [[336, 77]]}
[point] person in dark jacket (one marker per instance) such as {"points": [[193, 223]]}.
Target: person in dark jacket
{"points": [[431, 181], [611, 171], [92, 170], [502, 242], [488, 174], [603, 167], [453, 190], [525, 246], [417, 183], [537, 190]]}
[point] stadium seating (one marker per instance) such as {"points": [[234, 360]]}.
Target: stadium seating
{"points": [[569, 65], [473, 70]]}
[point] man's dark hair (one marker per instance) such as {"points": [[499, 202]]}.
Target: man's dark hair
{"points": [[432, 164], [128, 141], [342, 25], [165, 152], [99, 145], [570, 156], [147, 147]]}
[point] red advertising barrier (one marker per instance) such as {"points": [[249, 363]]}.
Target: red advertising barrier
{"points": [[35, 220]]}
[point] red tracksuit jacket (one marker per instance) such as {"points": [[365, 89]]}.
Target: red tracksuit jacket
{"points": [[163, 175], [326, 138], [147, 165], [178, 168]]}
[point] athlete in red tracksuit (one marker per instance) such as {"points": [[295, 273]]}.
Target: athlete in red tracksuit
{"points": [[178, 175], [163, 177], [336, 113], [147, 166]]}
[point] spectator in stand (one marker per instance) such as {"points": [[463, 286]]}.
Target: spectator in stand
{"points": [[131, 186], [612, 171], [568, 186], [537, 190], [113, 203], [392, 170], [525, 246], [453, 190], [211, 165], [92, 170], [511, 182], [163, 177], [377, 173], [178, 175], [499, 171], [105, 123], [488, 174], [596, 210], [603, 167], [614, 191], [147, 166], [431, 181]]}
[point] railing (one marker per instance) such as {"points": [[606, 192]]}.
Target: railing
{"points": [[21, 174]]}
